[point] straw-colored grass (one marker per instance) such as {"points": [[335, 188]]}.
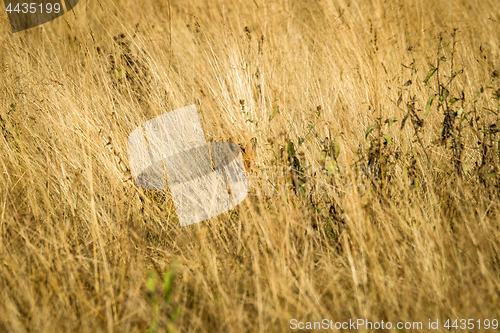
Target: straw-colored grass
{"points": [[79, 240]]}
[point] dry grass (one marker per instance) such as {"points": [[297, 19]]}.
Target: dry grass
{"points": [[78, 239]]}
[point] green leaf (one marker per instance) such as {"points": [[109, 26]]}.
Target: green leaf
{"points": [[465, 116], [290, 148], [453, 100], [176, 314], [429, 75], [428, 105], [331, 166], [387, 138], [274, 112], [151, 281], [168, 280], [391, 121], [153, 328], [369, 130], [335, 149], [465, 169], [440, 100], [323, 155], [171, 329]]}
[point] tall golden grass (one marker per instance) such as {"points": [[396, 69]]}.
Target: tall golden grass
{"points": [[80, 243]]}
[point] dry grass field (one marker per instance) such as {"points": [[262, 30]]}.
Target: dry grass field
{"points": [[370, 132]]}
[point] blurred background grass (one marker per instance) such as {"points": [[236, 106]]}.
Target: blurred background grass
{"points": [[297, 84]]}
